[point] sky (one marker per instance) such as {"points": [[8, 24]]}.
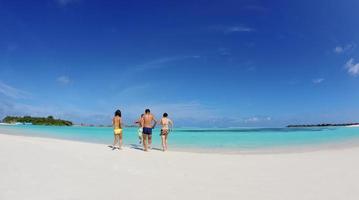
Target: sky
{"points": [[228, 63]]}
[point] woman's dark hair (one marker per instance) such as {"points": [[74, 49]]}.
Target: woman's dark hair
{"points": [[118, 113], [165, 115], [147, 110]]}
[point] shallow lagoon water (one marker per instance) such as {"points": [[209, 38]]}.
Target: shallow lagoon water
{"points": [[212, 139]]}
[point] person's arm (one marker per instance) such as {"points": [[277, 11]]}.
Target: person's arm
{"points": [[113, 122], [155, 121], [120, 122], [142, 122], [170, 122]]}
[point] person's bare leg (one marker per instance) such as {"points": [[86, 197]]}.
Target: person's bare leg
{"points": [[114, 142], [150, 141], [163, 142], [166, 144], [120, 141], [144, 142]]}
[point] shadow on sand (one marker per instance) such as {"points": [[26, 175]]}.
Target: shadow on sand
{"points": [[135, 146], [139, 147], [112, 147]]}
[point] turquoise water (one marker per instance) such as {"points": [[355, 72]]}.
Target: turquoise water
{"points": [[202, 139]]}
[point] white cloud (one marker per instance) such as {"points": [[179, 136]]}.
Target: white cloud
{"points": [[12, 92], [224, 51], [232, 29], [344, 48], [68, 112], [15, 108], [338, 49], [189, 114], [164, 62], [256, 119], [181, 110], [183, 113], [159, 63], [352, 68], [252, 119], [318, 80], [133, 91], [63, 80]]}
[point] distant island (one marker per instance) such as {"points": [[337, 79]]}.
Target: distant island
{"points": [[49, 121], [321, 125]]}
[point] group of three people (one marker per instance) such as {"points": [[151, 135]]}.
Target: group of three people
{"points": [[146, 123]]}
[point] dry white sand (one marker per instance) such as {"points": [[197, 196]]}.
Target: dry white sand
{"points": [[41, 168]]}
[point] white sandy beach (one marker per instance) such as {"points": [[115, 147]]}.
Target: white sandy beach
{"points": [[41, 168]]}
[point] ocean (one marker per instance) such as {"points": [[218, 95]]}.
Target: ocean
{"points": [[205, 140]]}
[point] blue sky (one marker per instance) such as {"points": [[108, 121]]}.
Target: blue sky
{"points": [[206, 63]]}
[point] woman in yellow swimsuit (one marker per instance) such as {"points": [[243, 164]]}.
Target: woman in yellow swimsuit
{"points": [[117, 129], [167, 125]]}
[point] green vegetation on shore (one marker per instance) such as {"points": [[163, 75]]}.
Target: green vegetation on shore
{"points": [[50, 121]]}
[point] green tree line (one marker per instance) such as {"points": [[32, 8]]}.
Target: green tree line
{"points": [[50, 121]]}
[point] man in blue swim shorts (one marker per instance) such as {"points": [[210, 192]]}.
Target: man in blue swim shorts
{"points": [[148, 122], [147, 131]]}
